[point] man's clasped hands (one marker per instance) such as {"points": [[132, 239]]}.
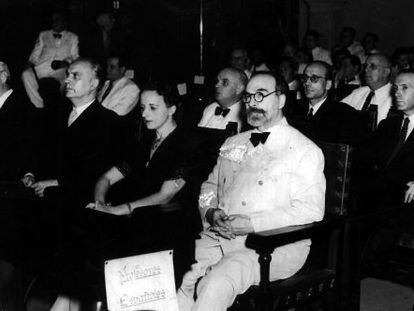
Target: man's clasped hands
{"points": [[228, 226]]}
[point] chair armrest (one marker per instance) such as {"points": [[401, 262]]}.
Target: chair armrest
{"points": [[270, 239]]}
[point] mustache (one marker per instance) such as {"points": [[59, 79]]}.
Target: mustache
{"points": [[257, 110]]}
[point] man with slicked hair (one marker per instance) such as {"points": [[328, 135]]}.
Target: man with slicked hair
{"points": [[229, 88], [239, 197]]}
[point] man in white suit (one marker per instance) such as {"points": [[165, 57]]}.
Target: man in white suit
{"points": [[54, 50], [265, 178], [119, 93]]}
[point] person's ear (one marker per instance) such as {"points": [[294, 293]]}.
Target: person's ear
{"points": [[282, 101], [172, 110], [94, 83], [123, 69], [328, 84]]}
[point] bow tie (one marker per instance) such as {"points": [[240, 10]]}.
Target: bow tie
{"points": [[257, 138], [57, 35], [222, 111]]}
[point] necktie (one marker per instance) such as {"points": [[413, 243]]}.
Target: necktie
{"points": [[221, 111], [107, 91], [401, 139], [310, 113], [367, 101], [72, 116], [57, 35], [257, 138]]}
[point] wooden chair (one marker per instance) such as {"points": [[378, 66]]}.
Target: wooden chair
{"points": [[315, 285]]}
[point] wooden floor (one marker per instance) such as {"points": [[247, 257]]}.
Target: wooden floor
{"points": [[381, 295]]}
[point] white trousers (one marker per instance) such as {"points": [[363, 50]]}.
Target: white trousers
{"points": [[32, 87], [226, 272]]}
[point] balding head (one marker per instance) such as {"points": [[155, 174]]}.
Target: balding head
{"points": [[230, 85], [377, 71]]}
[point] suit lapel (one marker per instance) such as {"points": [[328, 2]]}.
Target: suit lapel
{"points": [[84, 115]]}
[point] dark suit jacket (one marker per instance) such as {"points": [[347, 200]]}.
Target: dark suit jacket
{"points": [[13, 138], [381, 179], [87, 149], [333, 121]]}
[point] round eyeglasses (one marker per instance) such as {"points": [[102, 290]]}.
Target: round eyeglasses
{"points": [[258, 96]]}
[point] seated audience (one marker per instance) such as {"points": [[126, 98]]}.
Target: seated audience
{"points": [[318, 115], [311, 42], [347, 79], [54, 50], [227, 109], [376, 95], [388, 157], [240, 60], [239, 198], [119, 93], [347, 40]]}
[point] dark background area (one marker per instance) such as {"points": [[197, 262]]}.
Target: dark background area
{"points": [[163, 35]]}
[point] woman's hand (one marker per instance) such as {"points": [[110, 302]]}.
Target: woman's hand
{"points": [[118, 210]]}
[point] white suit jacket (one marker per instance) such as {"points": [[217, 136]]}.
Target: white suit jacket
{"points": [[48, 49], [122, 98], [278, 184]]}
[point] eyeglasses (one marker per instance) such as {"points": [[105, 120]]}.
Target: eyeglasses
{"points": [[313, 78], [258, 96]]}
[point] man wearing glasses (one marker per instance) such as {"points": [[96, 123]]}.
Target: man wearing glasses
{"points": [[318, 116], [376, 96], [265, 178]]}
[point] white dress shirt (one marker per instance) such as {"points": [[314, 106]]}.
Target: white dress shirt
{"points": [[410, 125], [123, 96], [382, 99], [78, 111], [210, 120], [317, 105], [4, 97]]}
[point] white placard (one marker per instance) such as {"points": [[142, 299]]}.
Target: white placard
{"points": [[199, 80], [182, 89], [143, 282]]}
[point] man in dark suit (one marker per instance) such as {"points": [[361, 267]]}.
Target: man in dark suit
{"points": [[89, 137], [388, 156], [318, 116], [13, 117], [89, 134]]}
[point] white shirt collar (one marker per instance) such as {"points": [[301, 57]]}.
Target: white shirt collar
{"points": [[4, 97], [82, 108], [383, 90], [317, 105]]}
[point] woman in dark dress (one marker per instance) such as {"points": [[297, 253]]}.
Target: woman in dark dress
{"points": [[157, 170]]}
